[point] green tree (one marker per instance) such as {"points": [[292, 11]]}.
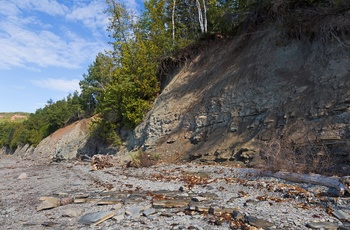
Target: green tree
{"points": [[98, 77]]}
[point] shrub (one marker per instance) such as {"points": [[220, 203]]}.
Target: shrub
{"points": [[143, 159]]}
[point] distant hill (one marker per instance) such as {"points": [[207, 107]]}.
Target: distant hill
{"points": [[14, 117]]}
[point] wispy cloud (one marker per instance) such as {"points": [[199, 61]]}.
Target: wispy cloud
{"points": [[62, 85], [50, 7], [27, 39], [91, 15]]}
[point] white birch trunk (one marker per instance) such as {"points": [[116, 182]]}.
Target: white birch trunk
{"points": [[173, 21], [205, 17], [200, 16]]}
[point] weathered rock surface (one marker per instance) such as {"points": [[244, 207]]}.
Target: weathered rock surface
{"points": [[64, 143], [238, 94]]}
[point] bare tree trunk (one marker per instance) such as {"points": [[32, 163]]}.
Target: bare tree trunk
{"points": [[200, 16], [173, 21], [205, 17]]}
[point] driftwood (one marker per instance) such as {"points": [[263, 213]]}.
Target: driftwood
{"points": [[342, 184], [333, 182]]}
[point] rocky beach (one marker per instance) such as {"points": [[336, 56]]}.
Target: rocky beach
{"points": [[70, 195]]}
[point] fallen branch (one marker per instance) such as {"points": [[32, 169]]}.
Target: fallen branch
{"points": [[342, 184], [333, 182]]}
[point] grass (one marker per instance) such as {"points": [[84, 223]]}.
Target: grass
{"points": [[143, 159], [13, 117]]}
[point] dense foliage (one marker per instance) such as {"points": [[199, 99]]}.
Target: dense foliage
{"points": [[122, 83], [41, 123]]}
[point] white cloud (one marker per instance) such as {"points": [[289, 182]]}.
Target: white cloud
{"points": [[91, 15], [59, 33], [50, 7], [62, 85], [28, 40]]}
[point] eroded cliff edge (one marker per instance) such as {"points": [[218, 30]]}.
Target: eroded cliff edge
{"points": [[252, 99]]}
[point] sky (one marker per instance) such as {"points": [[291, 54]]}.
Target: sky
{"points": [[46, 46]]}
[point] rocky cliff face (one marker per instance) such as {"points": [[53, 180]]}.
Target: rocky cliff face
{"points": [[241, 99], [64, 144]]}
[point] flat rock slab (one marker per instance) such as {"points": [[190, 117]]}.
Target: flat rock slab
{"points": [[108, 201], [220, 211], [170, 203], [134, 211], [341, 215], [95, 217], [259, 223], [149, 212], [48, 203], [322, 225]]}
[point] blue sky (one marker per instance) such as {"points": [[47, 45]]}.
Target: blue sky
{"points": [[46, 46]]}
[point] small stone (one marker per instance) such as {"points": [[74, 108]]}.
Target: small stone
{"points": [[95, 217], [66, 200], [238, 215], [48, 224], [208, 195], [117, 206], [199, 208], [134, 211], [149, 212], [346, 226], [108, 201], [180, 214], [198, 198], [341, 215], [220, 211], [85, 200], [71, 213], [209, 187], [81, 195], [119, 218], [23, 176], [259, 223], [48, 203], [322, 225], [29, 224]]}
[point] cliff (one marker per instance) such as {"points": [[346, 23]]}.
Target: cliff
{"points": [[257, 99], [276, 98], [64, 144]]}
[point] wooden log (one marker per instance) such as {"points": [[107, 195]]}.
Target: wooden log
{"points": [[342, 184], [333, 182]]}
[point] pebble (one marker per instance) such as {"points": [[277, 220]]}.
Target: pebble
{"points": [[72, 212], [23, 176]]}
